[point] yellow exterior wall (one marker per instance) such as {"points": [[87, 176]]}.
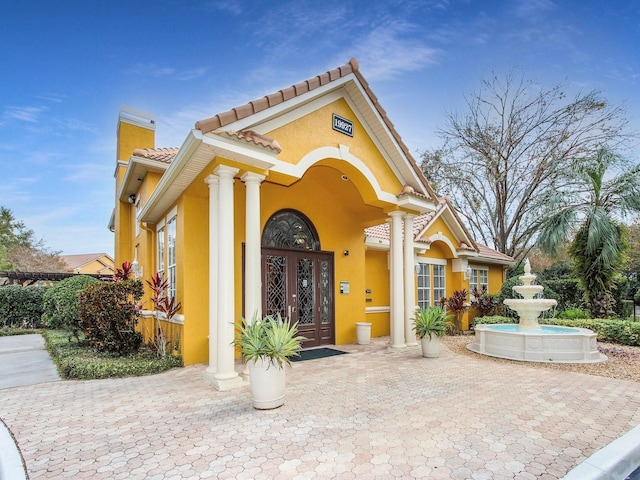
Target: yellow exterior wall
{"points": [[338, 209], [377, 281], [98, 267], [129, 138], [315, 130]]}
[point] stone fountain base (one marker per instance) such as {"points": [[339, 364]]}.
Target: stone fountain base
{"points": [[549, 343]]}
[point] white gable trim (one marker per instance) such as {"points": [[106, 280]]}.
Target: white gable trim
{"points": [[342, 153], [442, 238]]}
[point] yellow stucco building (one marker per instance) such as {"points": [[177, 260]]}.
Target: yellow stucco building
{"points": [[304, 202]]}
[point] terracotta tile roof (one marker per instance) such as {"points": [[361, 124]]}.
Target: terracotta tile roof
{"points": [[381, 231], [250, 136], [165, 155], [220, 120], [487, 252], [238, 113]]}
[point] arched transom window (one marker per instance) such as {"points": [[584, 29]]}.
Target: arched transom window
{"points": [[290, 229]]}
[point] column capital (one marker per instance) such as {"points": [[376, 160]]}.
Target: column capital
{"points": [[225, 171], [251, 177], [409, 216], [396, 213], [211, 179]]}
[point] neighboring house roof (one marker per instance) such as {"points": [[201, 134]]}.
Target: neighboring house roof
{"points": [[74, 262]]}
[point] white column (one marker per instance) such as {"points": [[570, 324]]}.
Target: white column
{"points": [[409, 282], [252, 253], [226, 376], [396, 283], [212, 181]]}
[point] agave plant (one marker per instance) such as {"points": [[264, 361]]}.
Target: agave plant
{"points": [[270, 339], [431, 321]]}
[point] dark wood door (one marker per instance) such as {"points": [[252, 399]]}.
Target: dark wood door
{"points": [[299, 285]]}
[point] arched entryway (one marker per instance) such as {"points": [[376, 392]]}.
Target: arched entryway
{"points": [[297, 277]]}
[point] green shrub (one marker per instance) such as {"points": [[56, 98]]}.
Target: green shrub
{"points": [[81, 362], [573, 314], [568, 292], [61, 303], [21, 306], [623, 332], [109, 315]]}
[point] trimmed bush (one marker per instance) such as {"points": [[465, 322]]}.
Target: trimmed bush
{"points": [[573, 314], [21, 306], [624, 332], [80, 362], [61, 303], [109, 315]]}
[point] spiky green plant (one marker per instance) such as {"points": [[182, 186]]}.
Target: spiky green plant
{"points": [[270, 339], [431, 321], [590, 214]]}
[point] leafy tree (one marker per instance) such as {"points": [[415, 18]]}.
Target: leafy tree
{"points": [[591, 215], [30, 259], [20, 250], [503, 160]]}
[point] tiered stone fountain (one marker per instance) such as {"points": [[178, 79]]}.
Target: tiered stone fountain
{"points": [[529, 341]]}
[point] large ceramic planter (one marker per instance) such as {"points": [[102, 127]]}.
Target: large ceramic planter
{"points": [[267, 382], [430, 346]]}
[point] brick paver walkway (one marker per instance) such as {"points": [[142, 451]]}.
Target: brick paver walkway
{"points": [[369, 414]]}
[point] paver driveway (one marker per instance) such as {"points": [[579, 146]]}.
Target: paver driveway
{"points": [[370, 414]]}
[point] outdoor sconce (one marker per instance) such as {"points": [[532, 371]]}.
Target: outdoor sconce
{"points": [[346, 253], [467, 274], [417, 268], [137, 269]]}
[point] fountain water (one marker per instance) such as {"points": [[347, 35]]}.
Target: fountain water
{"points": [[530, 341]]}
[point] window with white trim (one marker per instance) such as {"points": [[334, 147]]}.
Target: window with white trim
{"points": [[432, 285], [439, 283], [138, 209], [160, 268], [171, 256], [479, 277], [424, 285]]}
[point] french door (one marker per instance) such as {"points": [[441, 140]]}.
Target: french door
{"points": [[298, 284]]}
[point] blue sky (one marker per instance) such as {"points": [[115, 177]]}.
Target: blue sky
{"points": [[68, 66]]}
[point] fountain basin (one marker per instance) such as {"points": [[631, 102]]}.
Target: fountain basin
{"points": [[549, 343]]}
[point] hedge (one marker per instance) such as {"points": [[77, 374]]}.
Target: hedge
{"points": [[624, 332], [61, 303], [21, 306]]}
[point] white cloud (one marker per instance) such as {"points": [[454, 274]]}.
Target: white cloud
{"points": [[23, 114], [385, 53]]}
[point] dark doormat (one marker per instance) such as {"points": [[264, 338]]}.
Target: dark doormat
{"points": [[316, 353]]}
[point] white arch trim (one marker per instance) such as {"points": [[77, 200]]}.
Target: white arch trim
{"points": [[342, 153], [440, 237]]}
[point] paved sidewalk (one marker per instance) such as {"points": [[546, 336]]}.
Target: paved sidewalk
{"points": [[24, 360], [366, 415]]}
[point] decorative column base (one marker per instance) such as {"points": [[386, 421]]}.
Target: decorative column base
{"points": [[396, 348], [223, 384]]}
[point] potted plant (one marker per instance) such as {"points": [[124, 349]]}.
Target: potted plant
{"points": [[267, 345], [431, 323]]}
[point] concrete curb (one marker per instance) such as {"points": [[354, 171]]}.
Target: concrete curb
{"points": [[11, 463], [612, 462]]}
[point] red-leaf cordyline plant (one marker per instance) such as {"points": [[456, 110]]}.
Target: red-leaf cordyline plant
{"points": [[163, 305]]}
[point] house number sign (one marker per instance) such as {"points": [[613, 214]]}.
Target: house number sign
{"points": [[342, 125]]}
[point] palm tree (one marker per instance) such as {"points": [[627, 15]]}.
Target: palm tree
{"points": [[592, 213]]}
